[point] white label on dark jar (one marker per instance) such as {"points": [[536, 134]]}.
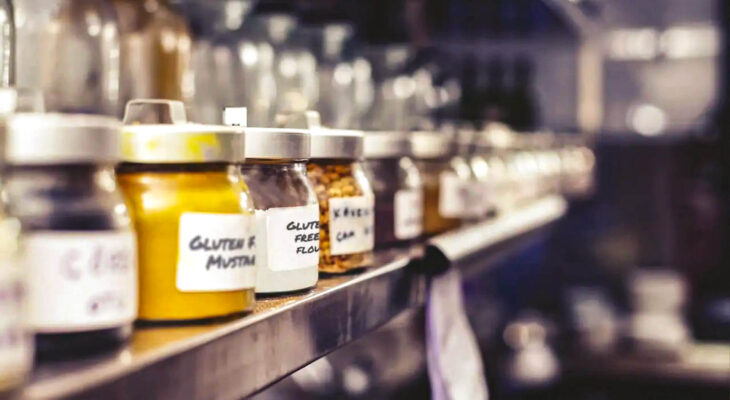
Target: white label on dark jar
{"points": [[291, 237], [453, 195], [81, 280], [16, 352], [352, 222], [216, 252], [408, 214]]}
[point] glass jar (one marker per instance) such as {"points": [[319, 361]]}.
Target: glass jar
{"points": [[156, 51], [346, 200], [469, 201], [70, 50], [433, 151], [294, 69], [397, 186], [337, 97], [79, 248], [192, 213], [577, 166], [287, 212]]}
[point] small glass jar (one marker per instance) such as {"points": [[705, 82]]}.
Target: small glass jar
{"points": [[192, 213], [346, 200], [287, 212], [79, 248], [70, 50], [397, 186], [433, 151], [470, 200], [490, 168]]}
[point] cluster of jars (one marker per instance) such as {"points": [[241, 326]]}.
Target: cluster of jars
{"points": [[162, 220]]}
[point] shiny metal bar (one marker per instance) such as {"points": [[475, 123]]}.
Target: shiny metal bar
{"points": [[476, 238], [235, 359]]}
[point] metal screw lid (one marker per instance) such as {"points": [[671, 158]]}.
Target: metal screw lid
{"points": [[386, 144], [50, 139], [157, 131], [432, 145], [269, 143], [326, 143]]}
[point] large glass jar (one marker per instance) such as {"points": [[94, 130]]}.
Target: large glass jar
{"points": [[346, 200], [294, 66], [155, 52], [337, 96], [70, 50], [433, 151], [397, 186], [287, 212], [193, 216], [79, 248]]}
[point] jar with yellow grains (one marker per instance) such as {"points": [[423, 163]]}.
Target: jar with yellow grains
{"points": [[346, 199], [192, 213], [433, 152]]}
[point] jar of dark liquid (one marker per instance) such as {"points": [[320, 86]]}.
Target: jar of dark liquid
{"points": [[79, 249], [397, 186]]}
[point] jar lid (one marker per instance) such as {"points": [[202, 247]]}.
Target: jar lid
{"points": [[431, 144], [154, 111], [269, 143], [386, 144], [45, 139], [325, 142], [181, 143], [20, 100]]}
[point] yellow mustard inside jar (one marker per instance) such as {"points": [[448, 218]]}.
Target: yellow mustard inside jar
{"points": [[192, 213]]}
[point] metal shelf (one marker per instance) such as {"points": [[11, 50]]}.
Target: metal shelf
{"points": [[235, 359]]}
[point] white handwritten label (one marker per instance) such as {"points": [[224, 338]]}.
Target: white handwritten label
{"points": [[81, 280], [216, 252], [16, 348], [352, 222], [452, 195], [408, 213], [290, 238]]}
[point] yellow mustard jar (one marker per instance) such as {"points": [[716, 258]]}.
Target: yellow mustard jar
{"points": [[192, 213]]}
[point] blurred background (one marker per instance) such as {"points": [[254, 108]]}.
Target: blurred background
{"points": [[626, 297]]}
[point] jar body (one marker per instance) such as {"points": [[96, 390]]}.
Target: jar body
{"points": [[433, 172], [287, 216], [70, 50], [79, 256], [346, 208], [156, 51], [398, 192], [173, 205], [16, 348]]}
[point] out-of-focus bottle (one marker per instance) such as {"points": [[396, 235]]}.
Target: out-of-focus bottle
{"points": [[225, 60], [155, 51], [294, 66], [7, 44], [70, 50], [337, 101]]}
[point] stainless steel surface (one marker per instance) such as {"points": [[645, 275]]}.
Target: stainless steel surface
{"points": [[235, 359], [269, 143], [42, 139], [472, 239], [336, 143], [232, 360], [154, 111], [386, 144], [277, 143], [182, 143]]}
